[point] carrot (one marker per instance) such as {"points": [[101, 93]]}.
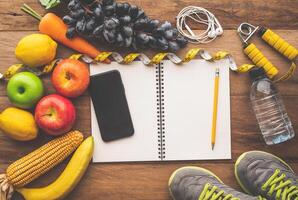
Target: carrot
{"points": [[53, 26]]}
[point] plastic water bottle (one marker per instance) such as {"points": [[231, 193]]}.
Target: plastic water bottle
{"points": [[270, 111]]}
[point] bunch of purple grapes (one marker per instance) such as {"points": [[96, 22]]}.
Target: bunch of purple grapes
{"points": [[121, 25]]}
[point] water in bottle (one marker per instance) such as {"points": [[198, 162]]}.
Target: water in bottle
{"points": [[270, 111]]}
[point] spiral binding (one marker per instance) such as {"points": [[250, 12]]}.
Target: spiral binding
{"points": [[160, 111]]}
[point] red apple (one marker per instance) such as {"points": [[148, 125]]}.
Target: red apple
{"points": [[55, 114], [70, 77]]}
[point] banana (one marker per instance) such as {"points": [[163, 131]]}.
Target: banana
{"points": [[68, 179]]}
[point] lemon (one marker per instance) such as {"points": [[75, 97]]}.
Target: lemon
{"points": [[36, 50], [18, 124]]}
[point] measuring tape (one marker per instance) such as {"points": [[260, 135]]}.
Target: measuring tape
{"points": [[246, 31], [190, 55]]}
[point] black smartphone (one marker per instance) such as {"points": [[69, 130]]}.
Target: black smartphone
{"points": [[110, 105]]}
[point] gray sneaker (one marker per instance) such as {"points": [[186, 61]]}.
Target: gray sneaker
{"points": [[194, 183], [261, 173]]}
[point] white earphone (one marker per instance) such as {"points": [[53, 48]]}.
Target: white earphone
{"points": [[196, 14]]}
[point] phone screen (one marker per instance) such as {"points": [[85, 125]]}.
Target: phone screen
{"points": [[110, 105]]}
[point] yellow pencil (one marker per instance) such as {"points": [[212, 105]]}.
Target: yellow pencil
{"points": [[215, 102]]}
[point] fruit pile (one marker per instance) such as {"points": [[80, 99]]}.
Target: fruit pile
{"points": [[55, 114], [121, 25]]}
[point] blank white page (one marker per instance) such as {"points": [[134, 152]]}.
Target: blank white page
{"points": [[140, 87], [188, 97]]}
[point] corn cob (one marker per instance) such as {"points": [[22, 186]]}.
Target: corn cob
{"points": [[33, 165]]}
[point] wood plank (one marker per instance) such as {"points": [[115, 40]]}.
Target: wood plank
{"points": [[135, 181], [272, 13], [148, 181], [230, 42], [246, 135]]}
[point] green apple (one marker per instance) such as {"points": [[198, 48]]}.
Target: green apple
{"points": [[24, 89]]}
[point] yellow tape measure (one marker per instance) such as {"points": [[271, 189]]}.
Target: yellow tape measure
{"points": [[12, 70], [246, 31], [156, 59]]}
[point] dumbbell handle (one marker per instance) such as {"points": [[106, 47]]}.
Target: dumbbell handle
{"points": [[258, 58], [278, 43]]}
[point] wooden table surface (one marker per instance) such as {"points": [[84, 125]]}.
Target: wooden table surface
{"points": [[147, 181]]}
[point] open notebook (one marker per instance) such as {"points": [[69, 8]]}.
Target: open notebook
{"points": [[171, 108]]}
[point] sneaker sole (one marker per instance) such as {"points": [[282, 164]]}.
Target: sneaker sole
{"points": [[242, 156], [188, 167]]}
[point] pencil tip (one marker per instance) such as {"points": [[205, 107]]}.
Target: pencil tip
{"points": [[212, 145]]}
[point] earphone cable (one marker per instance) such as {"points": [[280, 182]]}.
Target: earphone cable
{"points": [[195, 13]]}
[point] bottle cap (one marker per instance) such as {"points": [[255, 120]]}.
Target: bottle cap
{"points": [[257, 72]]}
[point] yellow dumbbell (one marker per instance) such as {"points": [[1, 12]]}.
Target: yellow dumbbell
{"points": [[246, 31]]}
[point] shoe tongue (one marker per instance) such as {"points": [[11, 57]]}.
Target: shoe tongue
{"points": [[265, 175], [262, 176], [236, 194], [292, 177]]}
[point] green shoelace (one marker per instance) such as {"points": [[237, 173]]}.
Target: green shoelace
{"points": [[283, 188], [212, 193]]}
